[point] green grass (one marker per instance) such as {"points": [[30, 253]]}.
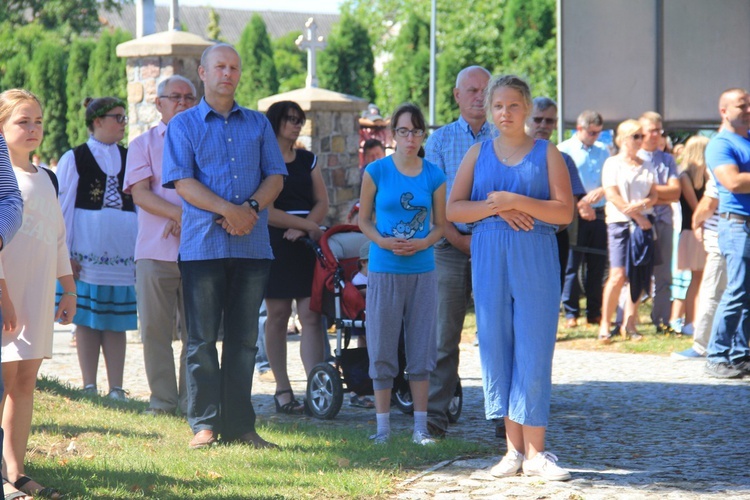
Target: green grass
{"points": [[89, 447]]}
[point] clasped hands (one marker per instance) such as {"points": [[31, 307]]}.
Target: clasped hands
{"points": [[403, 247], [500, 203], [238, 220]]}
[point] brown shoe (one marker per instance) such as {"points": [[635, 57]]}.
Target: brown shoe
{"points": [[203, 439], [571, 323], [254, 440]]}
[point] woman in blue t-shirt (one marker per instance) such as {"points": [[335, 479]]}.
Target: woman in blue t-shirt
{"points": [[402, 210]]}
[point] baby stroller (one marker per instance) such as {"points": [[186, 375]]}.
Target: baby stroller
{"points": [[334, 296]]}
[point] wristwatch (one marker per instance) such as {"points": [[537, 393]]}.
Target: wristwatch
{"points": [[254, 205]]}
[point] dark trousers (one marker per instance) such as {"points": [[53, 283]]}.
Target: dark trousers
{"points": [[219, 395], [591, 235]]}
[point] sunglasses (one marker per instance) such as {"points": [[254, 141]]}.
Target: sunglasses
{"points": [[548, 121], [404, 132], [295, 120], [593, 133], [637, 137], [119, 118], [175, 98]]}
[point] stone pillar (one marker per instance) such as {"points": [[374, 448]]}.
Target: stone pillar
{"points": [[332, 133], [152, 59]]}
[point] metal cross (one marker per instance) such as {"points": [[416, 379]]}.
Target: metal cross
{"points": [[311, 43]]}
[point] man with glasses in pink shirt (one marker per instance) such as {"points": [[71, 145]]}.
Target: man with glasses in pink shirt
{"points": [[158, 282]]}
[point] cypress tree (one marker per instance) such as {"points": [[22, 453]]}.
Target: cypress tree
{"points": [[47, 82], [107, 75], [75, 85], [259, 77], [347, 63]]}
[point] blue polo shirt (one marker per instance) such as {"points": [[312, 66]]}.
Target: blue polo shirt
{"points": [[589, 161], [231, 157], [447, 146], [728, 148]]}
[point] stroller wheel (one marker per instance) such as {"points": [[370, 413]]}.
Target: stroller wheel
{"points": [[325, 392], [401, 397], [456, 404]]}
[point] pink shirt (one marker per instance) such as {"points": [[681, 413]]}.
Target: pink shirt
{"points": [[144, 162]]}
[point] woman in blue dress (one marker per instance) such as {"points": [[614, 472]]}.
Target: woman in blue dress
{"points": [[516, 192]]}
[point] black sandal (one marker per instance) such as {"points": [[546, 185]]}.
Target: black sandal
{"points": [[15, 494], [45, 492], [293, 407]]}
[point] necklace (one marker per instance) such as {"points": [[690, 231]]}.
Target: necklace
{"points": [[506, 158]]}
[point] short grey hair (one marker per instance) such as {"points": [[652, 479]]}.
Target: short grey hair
{"points": [[174, 78], [462, 74], [543, 103]]}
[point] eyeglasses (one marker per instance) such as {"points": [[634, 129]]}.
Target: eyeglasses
{"points": [[664, 133], [404, 132], [539, 119], [593, 133], [295, 120], [175, 98], [637, 137], [119, 118]]}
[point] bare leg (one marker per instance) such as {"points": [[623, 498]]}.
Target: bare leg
{"points": [[113, 347], [279, 311], [609, 299], [16, 417], [419, 392], [88, 344], [514, 435], [533, 438], [311, 346], [691, 299]]}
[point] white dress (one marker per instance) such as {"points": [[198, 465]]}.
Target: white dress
{"points": [[31, 264]]}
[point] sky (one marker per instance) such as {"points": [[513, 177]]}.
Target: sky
{"points": [[321, 6]]}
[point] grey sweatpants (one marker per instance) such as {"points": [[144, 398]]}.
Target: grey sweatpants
{"points": [[393, 300]]}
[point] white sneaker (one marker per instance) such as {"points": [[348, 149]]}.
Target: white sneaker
{"points": [[544, 465], [509, 465], [422, 438], [379, 438]]}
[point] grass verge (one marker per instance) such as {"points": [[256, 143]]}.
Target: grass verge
{"points": [[89, 447]]}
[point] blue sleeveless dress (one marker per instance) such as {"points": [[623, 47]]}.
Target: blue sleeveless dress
{"points": [[516, 279]]}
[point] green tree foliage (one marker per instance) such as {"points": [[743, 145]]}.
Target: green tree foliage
{"points": [[213, 30], [16, 73], [107, 72], [65, 16], [76, 84], [47, 81], [406, 75], [291, 62], [347, 63], [259, 77]]}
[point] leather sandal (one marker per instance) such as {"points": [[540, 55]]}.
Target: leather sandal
{"points": [[47, 492], [293, 407], [14, 494]]}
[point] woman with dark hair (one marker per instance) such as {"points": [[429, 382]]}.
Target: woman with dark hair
{"points": [[298, 212], [408, 195], [101, 229]]}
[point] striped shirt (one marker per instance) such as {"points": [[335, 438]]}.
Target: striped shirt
{"points": [[447, 146], [231, 157], [11, 203]]}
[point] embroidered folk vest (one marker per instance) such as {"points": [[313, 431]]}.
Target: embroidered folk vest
{"points": [[93, 181]]}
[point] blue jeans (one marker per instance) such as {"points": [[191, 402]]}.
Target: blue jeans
{"points": [[729, 334], [219, 396]]}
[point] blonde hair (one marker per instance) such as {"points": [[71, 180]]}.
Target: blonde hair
{"points": [[652, 117], [625, 130], [693, 161], [509, 81], [12, 98]]}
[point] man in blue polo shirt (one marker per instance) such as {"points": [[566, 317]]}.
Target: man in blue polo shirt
{"points": [[225, 163], [728, 157], [589, 156], [446, 148]]}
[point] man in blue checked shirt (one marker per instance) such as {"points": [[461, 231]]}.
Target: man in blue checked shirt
{"points": [[446, 148], [225, 163]]}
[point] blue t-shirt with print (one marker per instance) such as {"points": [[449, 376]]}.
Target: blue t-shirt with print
{"points": [[403, 209], [728, 148]]}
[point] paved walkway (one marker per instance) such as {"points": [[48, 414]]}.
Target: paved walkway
{"points": [[627, 426]]}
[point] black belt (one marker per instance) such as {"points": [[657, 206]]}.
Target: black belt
{"points": [[731, 216]]}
